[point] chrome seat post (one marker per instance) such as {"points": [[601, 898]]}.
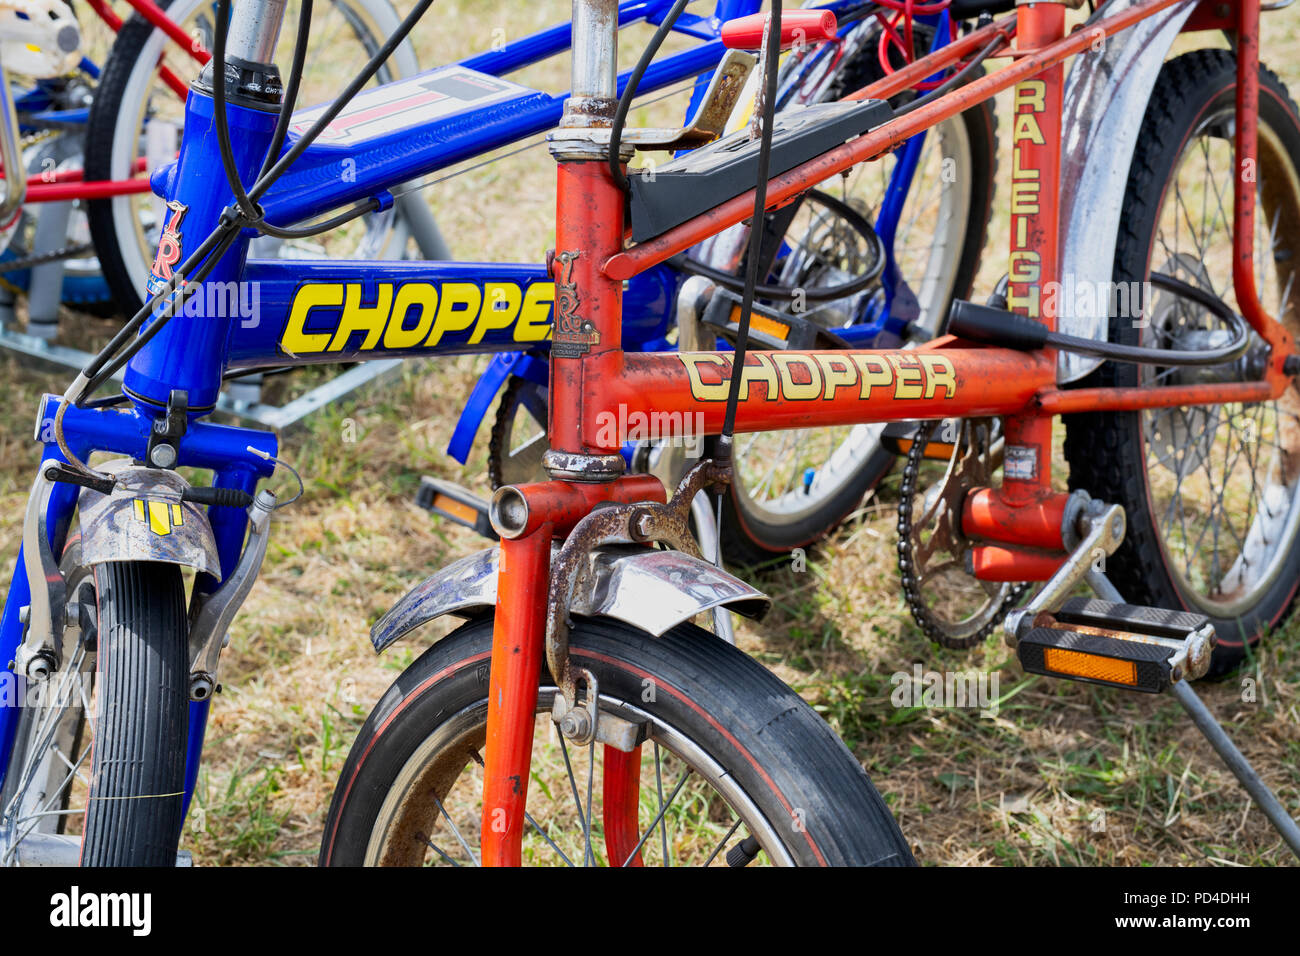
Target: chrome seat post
{"points": [[255, 30], [594, 80]]}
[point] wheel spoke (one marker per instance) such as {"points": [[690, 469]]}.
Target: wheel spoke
{"points": [[663, 808]]}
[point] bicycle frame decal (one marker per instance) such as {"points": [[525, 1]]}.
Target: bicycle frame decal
{"points": [[820, 376], [401, 105], [324, 316], [1026, 183], [573, 336], [169, 247]]}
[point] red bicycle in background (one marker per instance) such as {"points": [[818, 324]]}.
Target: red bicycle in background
{"points": [[87, 138]]}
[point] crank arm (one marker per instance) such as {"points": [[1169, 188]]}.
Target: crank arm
{"points": [[1102, 529]]}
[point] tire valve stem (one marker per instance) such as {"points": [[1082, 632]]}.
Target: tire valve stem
{"points": [[808, 475], [743, 853]]}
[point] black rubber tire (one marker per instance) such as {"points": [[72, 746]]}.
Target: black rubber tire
{"points": [[1107, 452], [100, 127], [135, 806], [755, 727]]}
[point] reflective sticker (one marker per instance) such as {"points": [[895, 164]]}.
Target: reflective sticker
{"points": [[160, 516], [1020, 463]]}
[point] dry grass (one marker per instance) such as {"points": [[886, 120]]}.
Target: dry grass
{"points": [[1026, 787]]}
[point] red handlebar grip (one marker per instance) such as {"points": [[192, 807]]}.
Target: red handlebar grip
{"points": [[797, 27]]}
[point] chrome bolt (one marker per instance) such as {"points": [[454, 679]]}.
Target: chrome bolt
{"points": [[162, 456], [200, 687], [40, 667], [575, 725]]}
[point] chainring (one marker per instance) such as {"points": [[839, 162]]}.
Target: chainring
{"points": [[932, 547]]}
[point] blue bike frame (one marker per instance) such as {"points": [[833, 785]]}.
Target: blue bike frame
{"points": [[312, 312]]}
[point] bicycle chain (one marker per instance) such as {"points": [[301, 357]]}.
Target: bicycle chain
{"points": [[74, 251], [906, 555], [36, 259]]}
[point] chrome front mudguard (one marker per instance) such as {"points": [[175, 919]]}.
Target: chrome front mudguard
{"points": [[650, 589], [1105, 99], [144, 519]]}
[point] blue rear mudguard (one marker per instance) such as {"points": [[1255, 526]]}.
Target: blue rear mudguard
{"points": [[528, 365]]}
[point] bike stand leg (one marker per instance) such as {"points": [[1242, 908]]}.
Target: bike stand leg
{"points": [[1219, 739], [45, 291], [282, 416], [706, 529], [424, 228]]}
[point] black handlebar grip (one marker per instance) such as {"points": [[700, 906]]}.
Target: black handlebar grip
{"points": [[970, 9], [226, 497], [983, 323]]}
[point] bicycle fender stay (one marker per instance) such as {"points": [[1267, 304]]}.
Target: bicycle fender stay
{"points": [[145, 519], [651, 589], [1103, 94]]}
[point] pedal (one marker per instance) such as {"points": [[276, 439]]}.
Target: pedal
{"points": [[703, 178], [899, 437], [768, 327], [456, 504], [1145, 649]]}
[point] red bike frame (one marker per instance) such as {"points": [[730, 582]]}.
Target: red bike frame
{"points": [[782, 390]]}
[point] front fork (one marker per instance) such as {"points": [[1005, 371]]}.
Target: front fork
{"points": [[228, 527], [589, 228]]}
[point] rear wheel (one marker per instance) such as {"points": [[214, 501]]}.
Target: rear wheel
{"points": [[733, 764], [1210, 491]]}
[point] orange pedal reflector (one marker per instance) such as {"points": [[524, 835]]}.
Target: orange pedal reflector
{"points": [[1117, 645], [456, 504], [1078, 664]]}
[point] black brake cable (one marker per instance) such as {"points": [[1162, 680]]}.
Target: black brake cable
{"points": [[960, 78], [265, 181], [92, 375], [120, 348], [782, 293], [1148, 355], [245, 200], [290, 96], [629, 92], [771, 62]]}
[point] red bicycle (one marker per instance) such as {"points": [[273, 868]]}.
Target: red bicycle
{"points": [[579, 652], [91, 137]]}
